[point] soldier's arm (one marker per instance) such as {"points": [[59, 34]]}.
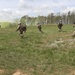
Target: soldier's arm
{"points": [[17, 28]]}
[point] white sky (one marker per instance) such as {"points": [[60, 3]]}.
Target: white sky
{"points": [[10, 9]]}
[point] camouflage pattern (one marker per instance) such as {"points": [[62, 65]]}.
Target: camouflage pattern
{"points": [[74, 25], [73, 35], [39, 27], [21, 28], [60, 24]]}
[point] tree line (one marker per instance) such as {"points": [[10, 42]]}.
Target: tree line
{"points": [[67, 18]]}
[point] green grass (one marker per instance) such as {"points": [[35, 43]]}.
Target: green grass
{"points": [[4, 24], [33, 54]]}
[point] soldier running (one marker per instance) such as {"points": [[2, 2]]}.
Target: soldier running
{"points": [[60, 24], [39, 27], [21, 29]]}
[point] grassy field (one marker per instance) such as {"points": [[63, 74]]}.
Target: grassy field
{"points": [[4, 24], [51, 53]]}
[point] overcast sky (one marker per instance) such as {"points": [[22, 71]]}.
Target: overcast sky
{"points": [[10, 9]]}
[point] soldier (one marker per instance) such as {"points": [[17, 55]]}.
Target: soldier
{"points": [[73, 35], [39, 27], [21, 29], [74, 25], [60, 24]]}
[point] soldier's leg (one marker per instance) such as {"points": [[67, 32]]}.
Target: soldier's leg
{"points": [[40, 29], [21, 34], [73, 35], [60, 28], [24, 29]]}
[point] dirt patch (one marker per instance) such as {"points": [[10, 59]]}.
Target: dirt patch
{"points": [[2, 71], [72, 73], [19, 72]]}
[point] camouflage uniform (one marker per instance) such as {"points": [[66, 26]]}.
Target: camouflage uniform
{"points": [[74, 25], [21, 29], [60, 24], [73, 35], [39, 27]]}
